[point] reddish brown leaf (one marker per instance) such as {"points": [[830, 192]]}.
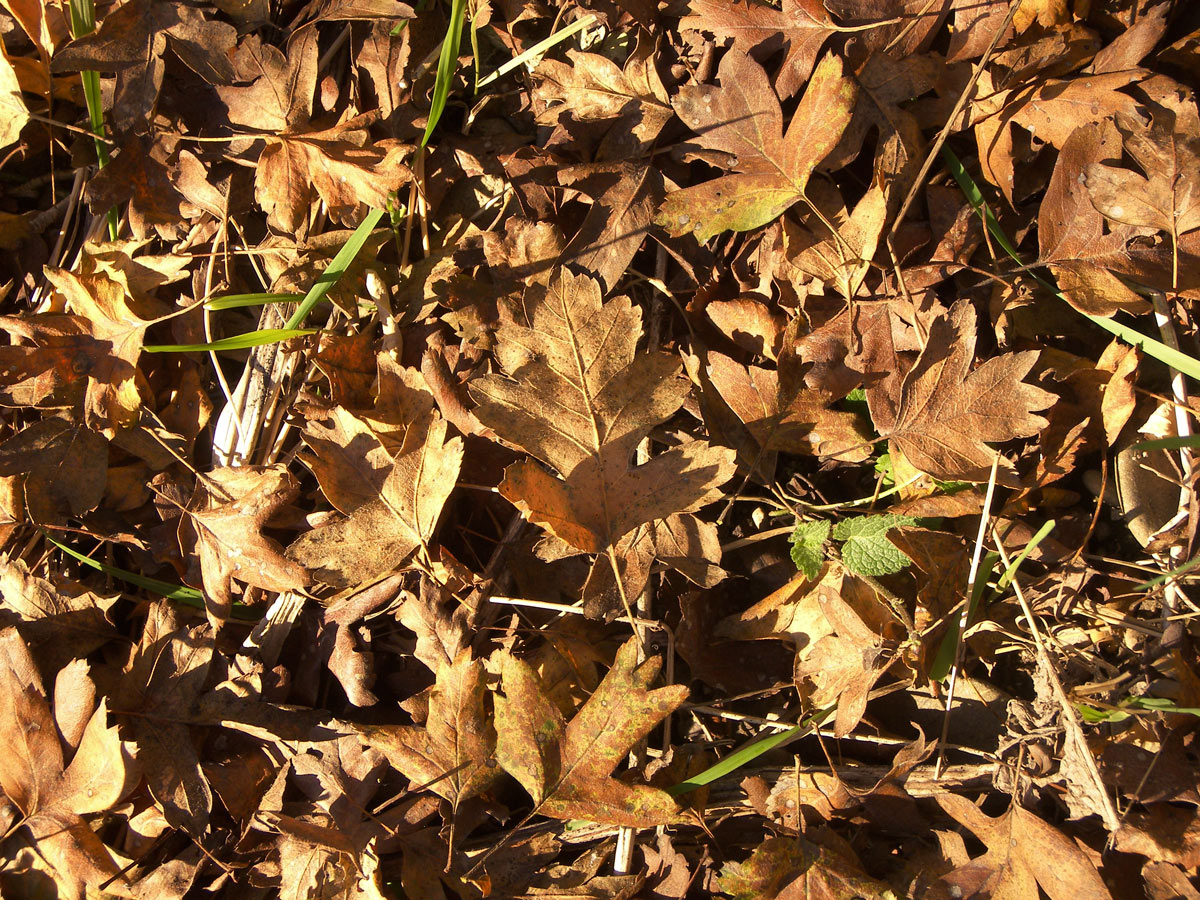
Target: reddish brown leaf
{"points": [[567, 767], [947, 412]]}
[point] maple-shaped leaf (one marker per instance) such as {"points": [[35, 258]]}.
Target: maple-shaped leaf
{"points": [[759, 30], [1167, 196], [159, 687], [340, 165], [132, 40], [228, 513], [382, 533], [785, 417], [454, 753], [1072, 238], [593, 88], [51, 794], [112, 398], [1024, 854], [742, 119], [947, 412], [580, 398], [567, 767], [853, 650]]}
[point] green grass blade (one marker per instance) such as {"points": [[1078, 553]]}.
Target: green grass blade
{"points": [[447, 65], [337, 268], [183, 594], [1178, 361], [83, 21], [1042, 534], [1171, 443], [237, 301], [234, 342], [1167, 576], [749, 752]]}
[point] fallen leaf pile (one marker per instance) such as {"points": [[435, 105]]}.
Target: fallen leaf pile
{"points": [[630, 448]]}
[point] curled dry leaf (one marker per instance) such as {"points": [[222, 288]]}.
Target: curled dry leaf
{"points": [[228, 513], [567, 767]]}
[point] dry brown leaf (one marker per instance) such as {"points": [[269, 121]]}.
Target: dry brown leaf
{"points": [[1167, 196], [625, 198], [741, 120], [1072, 238], [454, 754], [567, 766], [160, 685], [382, 533], [228, 512], [759, 30], [580, 398], [65, 469], [132, 40], [112, 399], [593, 87], [947, 412], [51, 794], [801, 423], [1051, 112], [1024, 853]]}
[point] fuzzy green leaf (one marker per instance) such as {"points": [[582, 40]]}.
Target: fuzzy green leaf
{"points": [[866, 549], [808, 546]]}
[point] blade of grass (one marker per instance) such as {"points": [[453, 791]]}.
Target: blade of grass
{"points": [[750, 751], [237, 301], [1169, 356], [537, 50], [337, 268], [83, 21], [234, 342], [1171, 443], [1167, 576], [447, 64], [1042, 534], [190, 596]]}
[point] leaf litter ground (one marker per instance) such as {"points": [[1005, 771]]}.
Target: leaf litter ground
{"points": [[714, 473]]}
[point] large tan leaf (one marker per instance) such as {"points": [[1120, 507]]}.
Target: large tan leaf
{"points": [[742, 120], [567, 767], [454, 753], [759, 30], [947, 412], [50, 799], [1167, 197], [383, 532], [1072, 238], [580, 398], [1024, 853]]}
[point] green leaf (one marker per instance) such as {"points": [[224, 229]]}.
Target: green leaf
{"points": [[866, 549], [235, 342], [808, 546]]}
